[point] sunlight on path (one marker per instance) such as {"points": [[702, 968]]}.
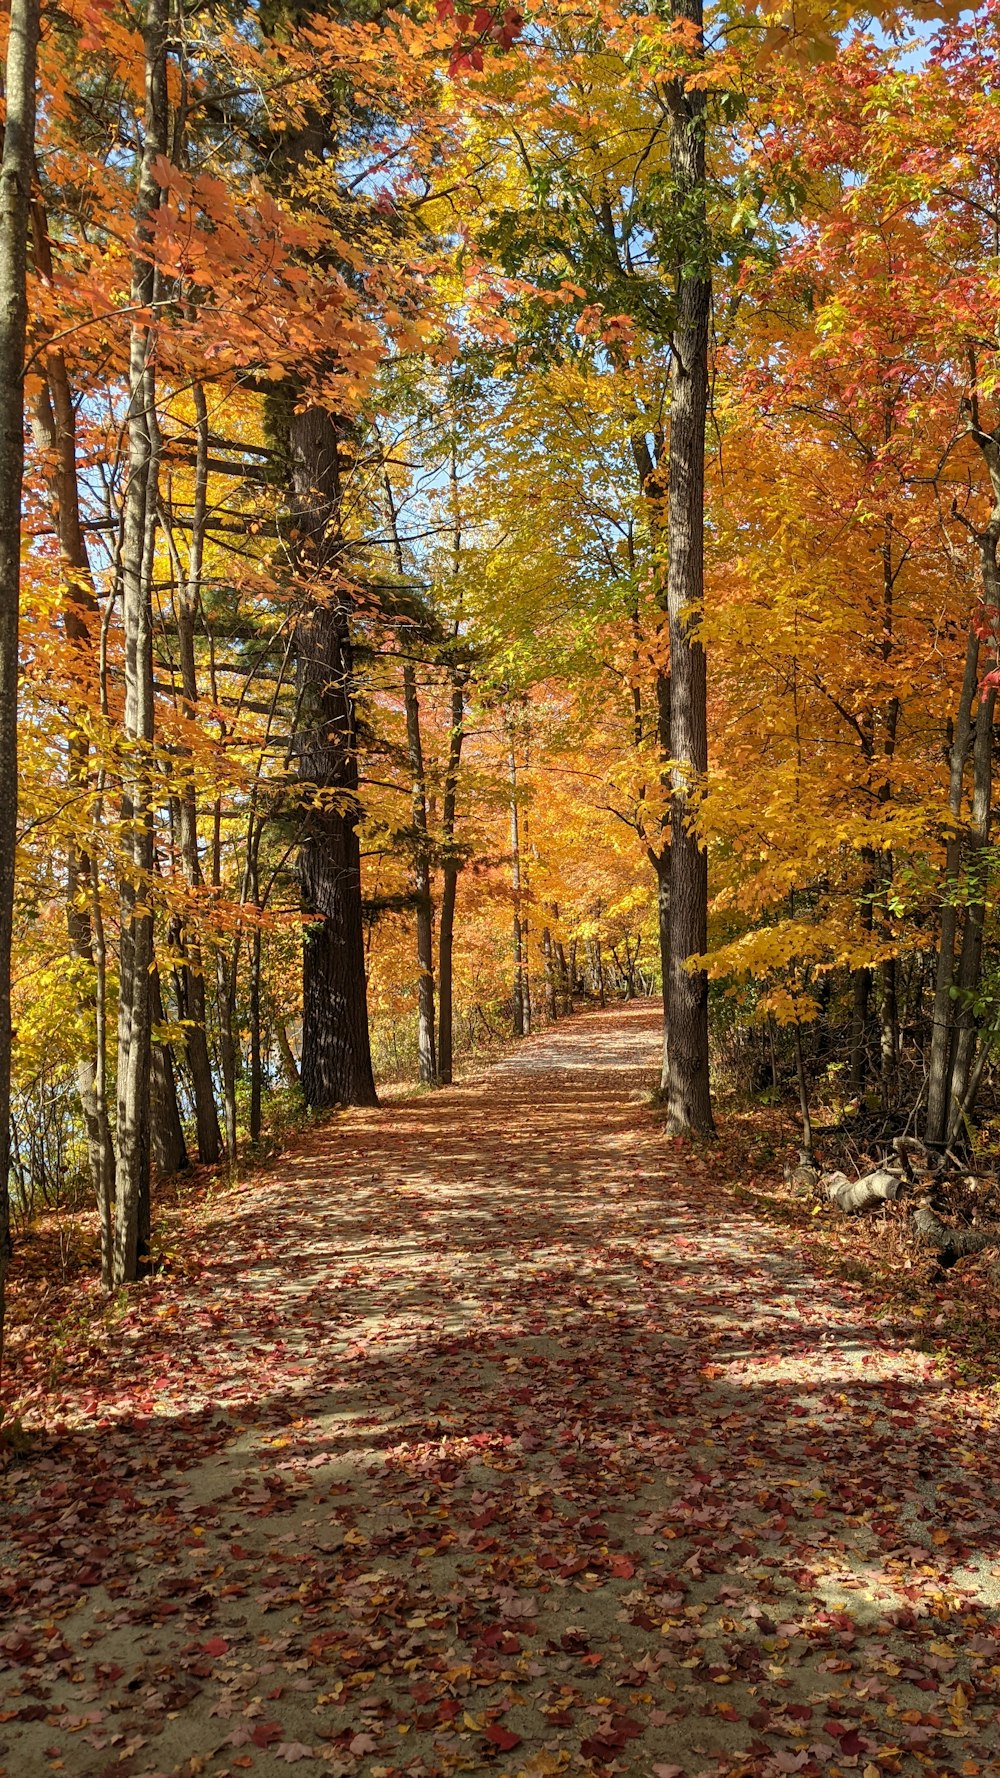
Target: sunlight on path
{"points": [[484, 1433]]}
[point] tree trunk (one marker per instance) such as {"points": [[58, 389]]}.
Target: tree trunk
{"points": [[939, 1068], [426, 1047], [803, 1087], [289, 1066], [564, 985], [970, 960], [889, 1032], [861, 981], [661, 864], [427, 1060], [225, 1000], [551, 1003], [139, 520], [193, 1008], [167, 1147], [256, 1064], [689, 1107], [54, 427], [15, 191], [336, 1052], [451, 867], [520, 1020]]}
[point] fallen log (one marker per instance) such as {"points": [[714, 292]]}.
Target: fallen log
{"points": [[854, 1195], [950, 1244]]}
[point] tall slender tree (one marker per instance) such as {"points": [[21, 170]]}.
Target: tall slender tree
{"points": [[135, 1006], [688, 1100], [15, 196]]}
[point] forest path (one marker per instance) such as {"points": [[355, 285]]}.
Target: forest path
{"points": [[485, 1433]]}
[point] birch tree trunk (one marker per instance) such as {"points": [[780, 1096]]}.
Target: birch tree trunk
{"points": [[138, 531], [688, 1102], [54, 429], [15, 192]]}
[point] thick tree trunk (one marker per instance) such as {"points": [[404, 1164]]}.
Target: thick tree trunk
{"points": [[134, 1003], [688, 1101], [15, 192], [336, 1052]]}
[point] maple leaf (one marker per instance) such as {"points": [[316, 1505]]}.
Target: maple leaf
{"points": [[264, 1734], [503, 1738]]}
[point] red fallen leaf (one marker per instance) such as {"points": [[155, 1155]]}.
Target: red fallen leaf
{"points": [[851, 1742], [265, 1733], [623, 1567], [503, 1738], [217, 1646]]}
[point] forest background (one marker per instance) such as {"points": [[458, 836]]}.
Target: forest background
{"points": [[409, 402]]}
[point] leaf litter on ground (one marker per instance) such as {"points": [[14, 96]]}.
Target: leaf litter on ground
{"points": [[491, 1433]]}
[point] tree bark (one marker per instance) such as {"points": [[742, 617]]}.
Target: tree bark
{"points": [[970, 959], [336, 1052], [167, 1147], [551, 1002], [427, 1060], [225, 1000], [194, 1008], [54, 428], [939, 1069], [289, 1066], [688, 1100], [451, 865], [15, 193], [520, 1011], [139, 520]]}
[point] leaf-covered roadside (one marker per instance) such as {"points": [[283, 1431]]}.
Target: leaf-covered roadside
{"points": [[489, 1434], [952, 1313]]}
